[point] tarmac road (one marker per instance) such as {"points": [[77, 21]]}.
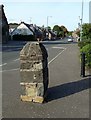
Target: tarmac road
{"points": [[68, 93]]}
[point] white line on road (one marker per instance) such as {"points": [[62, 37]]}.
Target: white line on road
{"points": [[48, 62], [56, 56], [16, 59], [10, 70], [59, 47], [3, 64]]}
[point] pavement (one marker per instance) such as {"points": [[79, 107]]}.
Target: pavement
{"points": [[68, 93]]}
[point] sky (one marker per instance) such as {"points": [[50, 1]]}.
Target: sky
{"points": [[57, 13]]}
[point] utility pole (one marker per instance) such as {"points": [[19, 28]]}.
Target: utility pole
{"points": [[81, 19], [90, 12], [48, 21], [47, 25]]}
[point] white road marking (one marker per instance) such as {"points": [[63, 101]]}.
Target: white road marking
{"points": [[59, 47], [56, 56], [48, 62], [10, 70], [3, 64], [16, 59]]}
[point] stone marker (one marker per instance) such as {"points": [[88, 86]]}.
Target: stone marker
{"points": [[34, 72]]}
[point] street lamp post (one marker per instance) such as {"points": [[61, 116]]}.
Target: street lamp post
{"points": [[81, 19], [48, 21], [81, 29], [47, 25]]}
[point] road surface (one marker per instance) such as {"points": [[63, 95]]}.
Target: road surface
{"points": [[68, 93]]}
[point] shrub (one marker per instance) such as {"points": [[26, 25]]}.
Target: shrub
{"points": [[87, 50], [84, 42]]}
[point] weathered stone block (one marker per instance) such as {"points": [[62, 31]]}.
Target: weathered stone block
{"points": [[33, 66], [38, 99], [33, 89], [31, 52], [33, 92], [34, 72], [31, 76], [26, 98]]}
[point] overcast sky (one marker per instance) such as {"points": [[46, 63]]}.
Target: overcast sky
{"points": [[59, 13]]}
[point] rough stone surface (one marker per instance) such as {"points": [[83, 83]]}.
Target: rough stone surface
{"points": [[34, 72], [31, 76]]}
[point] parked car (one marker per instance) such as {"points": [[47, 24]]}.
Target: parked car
{"points": [[70, 40]]}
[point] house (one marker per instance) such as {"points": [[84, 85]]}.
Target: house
{"points": [[12, 26], [51, 35], [4, 27], [43, 31], [23, 32], [26, 31], [38, 33], [75, 34]]}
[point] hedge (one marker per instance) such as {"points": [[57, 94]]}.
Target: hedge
{"points": [[87, 50], [84, 42]]}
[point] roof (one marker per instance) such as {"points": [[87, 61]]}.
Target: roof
{"points": [[38, 32], [51, 32], [1, 8], [13, 25], [35, 29], [2, 15], [27, 25]]}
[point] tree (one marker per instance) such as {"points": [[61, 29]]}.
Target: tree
{"points": [[87, 50], [64, 29], [86, 31], [70, 33], [56, 28], [85, 44], [49, 28], [61, 31]]}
